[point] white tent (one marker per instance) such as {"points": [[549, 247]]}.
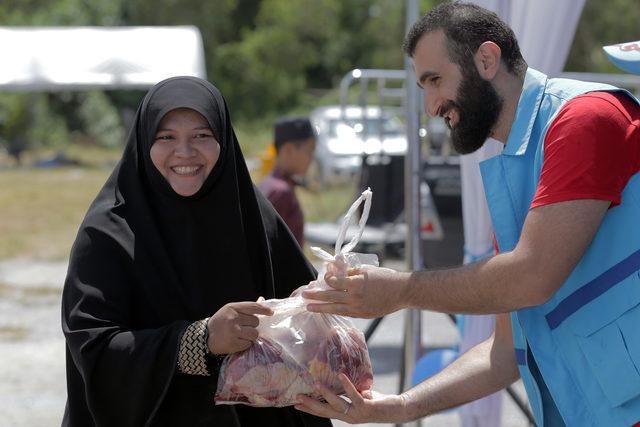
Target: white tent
{"points": [[63, 58]]}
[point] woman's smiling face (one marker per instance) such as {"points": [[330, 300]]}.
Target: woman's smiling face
{"points": [[184, 150]]}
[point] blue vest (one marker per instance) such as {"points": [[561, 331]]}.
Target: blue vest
{"points": [[586, 338]]}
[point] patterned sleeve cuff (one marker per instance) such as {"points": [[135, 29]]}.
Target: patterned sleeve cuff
{"points": [[193, 349]]}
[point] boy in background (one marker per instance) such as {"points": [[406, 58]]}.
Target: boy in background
{"points": [[295, 142]]}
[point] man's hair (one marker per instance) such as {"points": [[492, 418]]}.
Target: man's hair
{"points": [[466, 26], [294, 130]]}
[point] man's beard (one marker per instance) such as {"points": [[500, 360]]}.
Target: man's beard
{"points": [[478, 106]]}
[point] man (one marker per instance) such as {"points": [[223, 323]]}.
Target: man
{"points": [[564, 198], [295, 142]]}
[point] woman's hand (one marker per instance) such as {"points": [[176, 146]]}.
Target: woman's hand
{"points": [[366, 407], [233, 327]]}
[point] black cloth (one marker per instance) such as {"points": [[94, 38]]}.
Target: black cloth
{"points": [[147, 262]]}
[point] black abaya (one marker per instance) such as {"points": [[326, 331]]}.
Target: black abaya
{"points": [[147, 263]]}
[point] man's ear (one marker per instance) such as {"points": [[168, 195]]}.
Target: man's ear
{"points": [[487, 60]]}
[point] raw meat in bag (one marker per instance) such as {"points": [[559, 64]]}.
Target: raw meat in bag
{"points": [[297, 348]]}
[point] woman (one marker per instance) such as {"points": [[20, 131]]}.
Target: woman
{"points": [[165, 270]]}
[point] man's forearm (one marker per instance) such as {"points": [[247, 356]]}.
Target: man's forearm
{"points": [[481, 371], [553, 240], [496, 285]]}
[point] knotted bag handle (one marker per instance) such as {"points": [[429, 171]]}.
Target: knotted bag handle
{"points": [[339, 250]]}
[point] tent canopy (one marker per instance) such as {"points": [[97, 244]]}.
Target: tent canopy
{"points": [[64, 58]]}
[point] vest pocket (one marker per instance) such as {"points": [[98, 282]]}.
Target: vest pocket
{"points": [[611, 345]]}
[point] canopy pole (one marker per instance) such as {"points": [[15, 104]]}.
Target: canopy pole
{"points": [[412, 161]]}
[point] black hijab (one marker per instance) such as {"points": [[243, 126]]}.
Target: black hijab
{"points": [[147, 262]]}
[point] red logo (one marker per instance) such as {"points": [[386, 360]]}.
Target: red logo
{"points": [[630, 47]]}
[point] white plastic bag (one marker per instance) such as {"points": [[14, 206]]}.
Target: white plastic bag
{"points": [[297, 348]]}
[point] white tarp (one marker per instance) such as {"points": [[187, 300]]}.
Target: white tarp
{"points": [[63, 58]]}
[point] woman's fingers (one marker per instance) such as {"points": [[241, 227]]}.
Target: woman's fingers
{"points": [[248, 320], [248, 333], [249, 307], [240, 345]]}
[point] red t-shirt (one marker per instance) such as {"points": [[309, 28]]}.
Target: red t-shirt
{"points": [[591, 150], [279, 190]]}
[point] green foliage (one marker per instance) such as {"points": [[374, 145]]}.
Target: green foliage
{"points": [[60, 12], [14, 120], [101, 119], [46, 128], [254, 135], [293, 47], [269, 64]]}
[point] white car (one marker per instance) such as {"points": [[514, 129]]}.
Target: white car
{"points": [[346, 135]]}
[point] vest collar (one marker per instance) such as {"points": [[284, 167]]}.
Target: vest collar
{"points": [[535, 83]]}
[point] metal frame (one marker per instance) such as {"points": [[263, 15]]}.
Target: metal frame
{"points": [[412, 170]]}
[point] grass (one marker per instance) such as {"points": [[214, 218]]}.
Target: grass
{"points": [[41, 209], [253, 136], [328, 204]]}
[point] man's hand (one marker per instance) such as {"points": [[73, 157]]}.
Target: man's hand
{"points": [[233, 327], [366, 407], [484, 369], [366, 292], [300, 289]]}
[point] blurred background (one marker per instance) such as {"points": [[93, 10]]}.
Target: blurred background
{"points": [[269, 58]]}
